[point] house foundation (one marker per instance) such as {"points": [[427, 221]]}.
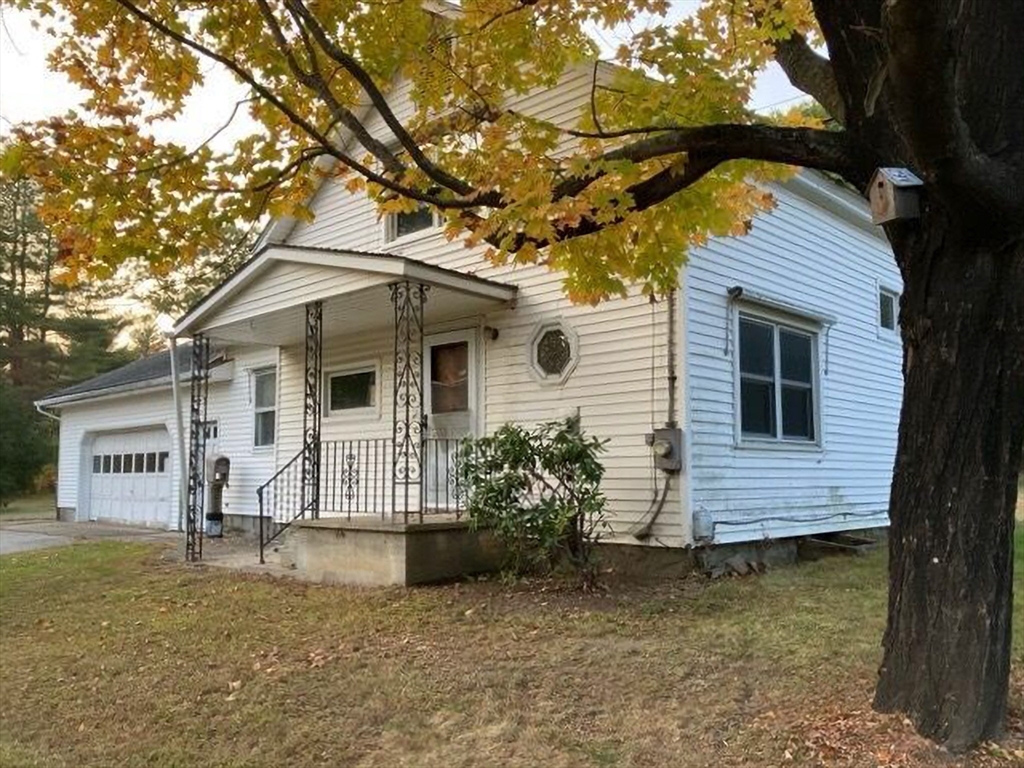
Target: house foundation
{"points": [[374, 552]]}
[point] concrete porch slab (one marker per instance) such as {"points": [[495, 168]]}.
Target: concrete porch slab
{"points": [[374, 552]]}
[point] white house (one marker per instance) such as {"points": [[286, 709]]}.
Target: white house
{"points": [[778, 360]]}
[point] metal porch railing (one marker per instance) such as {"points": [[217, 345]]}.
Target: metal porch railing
{"points": [[360, 478]]}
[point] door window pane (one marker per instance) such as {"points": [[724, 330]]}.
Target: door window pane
{"points": [[140, 462], [97, 464], [353, 390], [117, 464], [449, 377], [161, 463], [150, 462], [106, 464]]}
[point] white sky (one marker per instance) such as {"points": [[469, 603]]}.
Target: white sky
{"points": [[29, 91]]}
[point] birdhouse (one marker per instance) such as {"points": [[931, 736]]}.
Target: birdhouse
{"points": [[894, 194]]}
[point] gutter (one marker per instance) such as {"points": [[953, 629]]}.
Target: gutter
{"points": [[42, 411], [136, 386], [844, 204]]}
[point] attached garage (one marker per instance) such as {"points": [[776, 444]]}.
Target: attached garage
{"points": [[129, 477]]}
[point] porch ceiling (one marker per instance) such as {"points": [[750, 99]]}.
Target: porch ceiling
{"points": [[263, 302]]}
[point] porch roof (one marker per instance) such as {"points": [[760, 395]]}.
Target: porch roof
{"points": [[273, 285]]}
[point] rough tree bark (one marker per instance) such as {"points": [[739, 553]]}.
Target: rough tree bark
{"points": [[947, 644]]}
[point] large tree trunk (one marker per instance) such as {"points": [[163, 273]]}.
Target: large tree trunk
{"points": [[947, 644]]}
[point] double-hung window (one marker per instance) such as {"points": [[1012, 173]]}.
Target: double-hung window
{"points": [[264, 407], [778, 397]]}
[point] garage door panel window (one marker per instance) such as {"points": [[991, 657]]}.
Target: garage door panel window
{"points": [[97, 464], [162, 461], [117, 464], [106, 464], [150, 463], [777, 383], [265, 407]]}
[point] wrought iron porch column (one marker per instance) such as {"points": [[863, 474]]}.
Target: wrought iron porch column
{"points": [[408, 299], [199, 391], [313, 409]]}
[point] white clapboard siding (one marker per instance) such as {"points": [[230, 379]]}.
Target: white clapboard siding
{"points": [[230, 404], [804, 257], [618, 386]]}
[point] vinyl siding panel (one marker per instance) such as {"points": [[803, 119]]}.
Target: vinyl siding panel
{"points": [[229, 405], [805, 257]]}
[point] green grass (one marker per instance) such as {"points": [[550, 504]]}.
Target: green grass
{"points": [[111, 654], [41, 505]]}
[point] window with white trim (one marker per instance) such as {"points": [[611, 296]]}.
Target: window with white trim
{"points": [[398, 225], [264, 407], [778, 398], [888, 303], [553, 352], [352, 391]]}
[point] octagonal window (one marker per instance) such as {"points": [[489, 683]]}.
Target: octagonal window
{"points": [[553, 352]]}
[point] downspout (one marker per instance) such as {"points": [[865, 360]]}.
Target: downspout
{"points": [[47, 414], [180, 423]]}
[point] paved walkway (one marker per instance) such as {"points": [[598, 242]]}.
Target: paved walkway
{"points": [[21, 534]]}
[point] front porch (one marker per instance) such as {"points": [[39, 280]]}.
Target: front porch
{"points": [[382, 488]]}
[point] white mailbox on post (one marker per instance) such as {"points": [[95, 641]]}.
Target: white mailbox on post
{"points": [[893, 193]]}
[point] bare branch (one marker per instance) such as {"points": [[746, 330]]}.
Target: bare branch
{"points": [[811, 73], [806, 147], [355, 69]]}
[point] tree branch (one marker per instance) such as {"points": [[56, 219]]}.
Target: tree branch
{"points": [[379, 101], [811, 73], [296, 119], [922, 66], [806, 147]]}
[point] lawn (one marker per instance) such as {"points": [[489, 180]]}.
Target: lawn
{"points": [[41, 505], [114, 655]]}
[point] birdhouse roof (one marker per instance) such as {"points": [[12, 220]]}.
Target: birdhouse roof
{"points": [[899, 177]]}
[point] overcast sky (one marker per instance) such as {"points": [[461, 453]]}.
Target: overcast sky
{"points": [[29, 91]]}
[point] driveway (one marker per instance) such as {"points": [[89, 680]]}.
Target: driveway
{"points": [[22, 535]]}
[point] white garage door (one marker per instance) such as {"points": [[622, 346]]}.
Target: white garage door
{"points": [[130, 477]]}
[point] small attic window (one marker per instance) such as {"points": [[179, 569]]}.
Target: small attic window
{"points": [[399, 225]]}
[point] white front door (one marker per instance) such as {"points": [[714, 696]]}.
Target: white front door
{"points": [[450, 399]]}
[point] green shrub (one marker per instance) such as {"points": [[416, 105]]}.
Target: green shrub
{"points": [[539, 491]]}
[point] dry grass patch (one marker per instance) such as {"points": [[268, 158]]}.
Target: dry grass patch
{"points": [[112, 655]]}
